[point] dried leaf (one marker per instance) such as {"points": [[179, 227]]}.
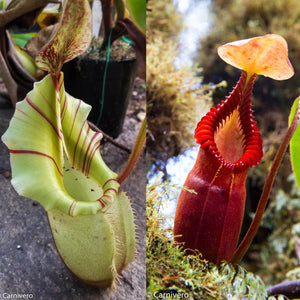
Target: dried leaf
{"points": [[35, 44], [18, 8]]}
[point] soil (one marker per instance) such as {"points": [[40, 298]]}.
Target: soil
{"points": [[29, 261], [119, 50]]}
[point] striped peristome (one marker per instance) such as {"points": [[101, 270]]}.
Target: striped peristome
{"points": [[46, 131]]}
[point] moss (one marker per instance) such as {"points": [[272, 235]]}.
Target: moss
{"points": [[176, 97], [170, 269], [163, 19], [119, 50], [175, 103]]}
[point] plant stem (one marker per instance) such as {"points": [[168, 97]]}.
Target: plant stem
{"points": [[135, 153], [107, 137], [107, 18], [120, 7], [8, 80], [248, 238]]}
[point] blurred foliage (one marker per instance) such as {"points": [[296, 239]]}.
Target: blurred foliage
{"points": [[169, 268], [272, 127], [176, 99], [2, 4], [163, 19], [276, 258]]}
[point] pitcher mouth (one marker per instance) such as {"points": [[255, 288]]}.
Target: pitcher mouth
{"points": [[229, 132]]}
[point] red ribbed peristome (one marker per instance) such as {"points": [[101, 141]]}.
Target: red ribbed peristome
{"points": [[207, 128]]}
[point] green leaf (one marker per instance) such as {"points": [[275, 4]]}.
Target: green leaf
{"points": [[22, 38], [137, 10], [72, 36], [2, 4], [48, 137], [295, 145]]}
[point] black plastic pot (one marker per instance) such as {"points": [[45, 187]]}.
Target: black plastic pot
{"points": [[84, 80]]}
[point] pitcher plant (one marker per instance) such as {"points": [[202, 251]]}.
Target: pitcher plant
{"points": [[55, 160], [210, 219]]}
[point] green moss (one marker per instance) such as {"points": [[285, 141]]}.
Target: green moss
{"points": [[175, 102], [170, 269], [176, 98], [163, 19]]}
